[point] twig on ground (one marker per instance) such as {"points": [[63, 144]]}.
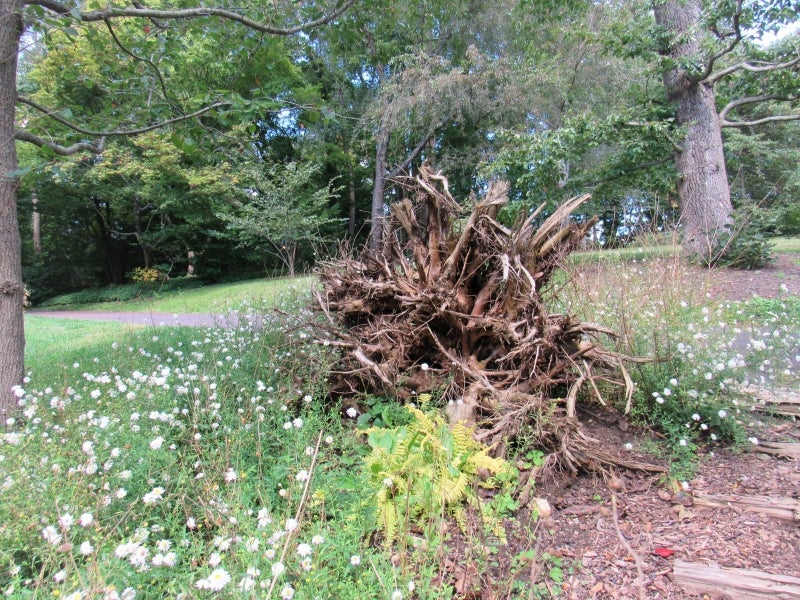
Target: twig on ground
{"points": [[627, 546]]}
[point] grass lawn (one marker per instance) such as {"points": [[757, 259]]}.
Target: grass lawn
{"points": [[786, 245], [217, 298]]}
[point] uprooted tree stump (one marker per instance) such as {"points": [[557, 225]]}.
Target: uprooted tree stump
{"points": [[452, 304]]}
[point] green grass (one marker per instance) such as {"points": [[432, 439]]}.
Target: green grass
{"points": [[144, 430], [623, 254], [216, 298], [52, 344], [786, 245]]}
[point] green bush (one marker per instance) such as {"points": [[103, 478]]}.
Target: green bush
{"points": [[744, 245], [121, 293]]}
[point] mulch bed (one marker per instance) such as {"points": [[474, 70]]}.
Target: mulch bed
{"points": [[619, 537]]}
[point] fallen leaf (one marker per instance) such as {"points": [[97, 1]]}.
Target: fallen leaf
{"points": [[664, 552]]}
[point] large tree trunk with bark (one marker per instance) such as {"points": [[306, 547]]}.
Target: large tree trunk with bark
{"points": [[703, 180], [12, 337]]}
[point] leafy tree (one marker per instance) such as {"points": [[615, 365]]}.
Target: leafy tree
{"points": [[280, 212], [128, 72], [707, 54]]}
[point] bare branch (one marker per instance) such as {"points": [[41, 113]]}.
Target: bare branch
{"points": [[115, 12], [118, 132], [27, 136], [754, 68], [140, 59], [736, 36], [725, 122], [412, 155]]}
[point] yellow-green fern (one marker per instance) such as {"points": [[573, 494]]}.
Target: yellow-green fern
{"points": [[424, 469]]}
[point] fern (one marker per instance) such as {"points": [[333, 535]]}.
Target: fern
{"points": [[425, 469]]}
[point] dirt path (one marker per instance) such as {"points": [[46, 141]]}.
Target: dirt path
{"points": [[153, 319]]}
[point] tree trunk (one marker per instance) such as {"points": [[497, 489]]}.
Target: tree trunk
{"points": [[12, 339], [36, 225], [147, 250], [351, 185], [703, 180], [379, 189]]}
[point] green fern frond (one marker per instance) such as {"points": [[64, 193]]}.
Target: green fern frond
{"points": [[423, 470]]}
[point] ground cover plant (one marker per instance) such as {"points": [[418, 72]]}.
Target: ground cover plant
{"points": [[165, 462], [179, 463]]}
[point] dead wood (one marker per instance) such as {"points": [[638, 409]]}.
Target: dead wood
{"points": [[786, 509], [452, 305], [738, 584]]}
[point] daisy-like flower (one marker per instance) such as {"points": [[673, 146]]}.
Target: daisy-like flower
{"points": [[86, 548], [352, 412], [317, 540], [153, 495], [397, 595], [156, 443], [302, 475], [287, 592], [65, 521], [278, 569], [303, 549], [291, 524], [355, 560], [218, 579], [85, 519], [230, 476], [51, 535]]}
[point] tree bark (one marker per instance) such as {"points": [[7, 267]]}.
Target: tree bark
{"points": [[36, 226], [703, 180], [378, 212], [12, 339]]}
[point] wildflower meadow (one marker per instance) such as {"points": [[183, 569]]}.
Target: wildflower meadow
{"points": [[210, 463]]}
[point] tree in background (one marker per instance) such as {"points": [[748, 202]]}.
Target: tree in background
{"points": [[708, 54], [278, 211], [127, 72]]}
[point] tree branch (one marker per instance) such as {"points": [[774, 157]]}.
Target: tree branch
{"points": [[725, 122], [144, 60], [754, 68], [27, 136], [412, 155], [117, 132], [114, 12], [735, 34]]}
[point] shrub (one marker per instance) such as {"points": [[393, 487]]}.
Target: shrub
{"points": [[743, 246]]}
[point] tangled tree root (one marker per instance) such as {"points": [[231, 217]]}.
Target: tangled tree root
{"points": [[452, 304]]}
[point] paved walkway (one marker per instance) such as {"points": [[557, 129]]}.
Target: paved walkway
{"points": [[152, 319]]}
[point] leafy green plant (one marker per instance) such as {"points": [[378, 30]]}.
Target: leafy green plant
{"points": [[424, 469], [743, 246], [382, 412], [147, 275]]}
